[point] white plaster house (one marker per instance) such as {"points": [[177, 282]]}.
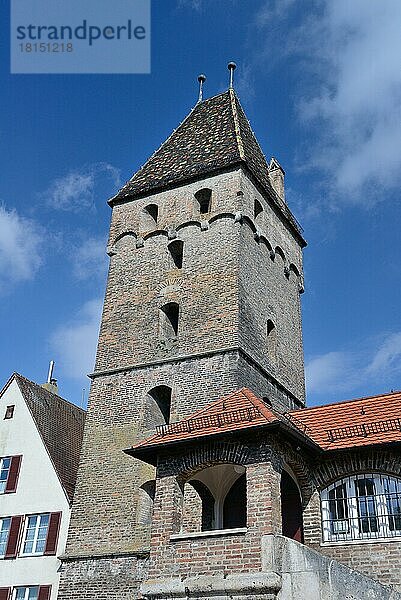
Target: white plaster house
{"points": [[40, 442]]}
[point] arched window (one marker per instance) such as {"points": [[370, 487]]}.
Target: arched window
{"points": [[271, 336], [169, 315], [365, 506], [159, 405], [291, 508], [153, 211], [204, 200], [198, 514], [176, 249], [220, 501], [146, 496], [257, 208]]}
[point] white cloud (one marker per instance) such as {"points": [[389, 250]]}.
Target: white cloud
{"points": [[75, 343], [348, 55], [387, 359], [75, 191], [373, 364], [20, 242], [89, 259], [328, 373]]}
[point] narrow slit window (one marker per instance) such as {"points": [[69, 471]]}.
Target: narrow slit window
{"points": [[169, 316], [204, 200], [160, 400], [271, 335], [153, 211], [257, 208], [176, 250]]}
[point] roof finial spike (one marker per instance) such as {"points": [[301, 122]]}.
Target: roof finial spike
{"points": [[201, 79], [231, 67]]}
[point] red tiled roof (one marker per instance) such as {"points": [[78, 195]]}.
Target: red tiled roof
{"points": [[353, 423], [239, 410]]}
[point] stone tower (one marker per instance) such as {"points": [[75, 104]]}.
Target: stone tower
{"points": [[202, 299]]}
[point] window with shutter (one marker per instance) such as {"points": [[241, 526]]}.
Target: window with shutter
{"points": [[9, 471], [5, 525], [52, 534], [44, 592], [5, 593], [27, 593], [5, 465], [35, 536], [13, 538], [12, 480]]}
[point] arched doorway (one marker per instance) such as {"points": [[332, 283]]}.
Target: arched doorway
{"points": [[291, 509]]}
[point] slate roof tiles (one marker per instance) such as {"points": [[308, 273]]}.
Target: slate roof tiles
{"points": [[215, 135], [60, 425]]}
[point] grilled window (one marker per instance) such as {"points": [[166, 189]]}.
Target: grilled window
{"points": [[361, 507]]}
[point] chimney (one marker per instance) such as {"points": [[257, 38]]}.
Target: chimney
{"points": [[51, 383], [276, 175]]}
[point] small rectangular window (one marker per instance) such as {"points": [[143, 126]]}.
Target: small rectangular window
{"points": [[9, 473], [9, 412], [36, 534], [26, 593], [5, 466], [4, 533]]}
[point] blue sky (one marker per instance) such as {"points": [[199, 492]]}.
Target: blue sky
{"points": [[321, 84]]}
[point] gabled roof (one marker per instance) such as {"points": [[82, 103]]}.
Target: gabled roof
{"points": [[352, 424], [240, 410], [60, 424], [360, 422], [215, 135]]}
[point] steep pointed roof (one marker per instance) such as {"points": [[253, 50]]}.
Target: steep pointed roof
{"points": [[215, 135], [60, 425]]}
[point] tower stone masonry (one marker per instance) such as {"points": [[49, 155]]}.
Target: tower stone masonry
{"points": [[202, 299]]}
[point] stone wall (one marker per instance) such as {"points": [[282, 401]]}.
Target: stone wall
{"points": [[204, 362], [102, 578]]}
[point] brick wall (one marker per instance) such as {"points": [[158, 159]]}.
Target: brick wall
{"points": [[226, 554], [377, 559], [222, 263]]}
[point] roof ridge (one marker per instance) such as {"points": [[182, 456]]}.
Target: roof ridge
{"points": [[237, 126], [237, 101], [343, 402], [38, 385], [116, 196]]}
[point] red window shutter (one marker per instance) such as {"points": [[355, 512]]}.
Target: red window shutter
{"points": [[52, 533], [44, 592], [11, 485], [5, 593], [13, 537]]}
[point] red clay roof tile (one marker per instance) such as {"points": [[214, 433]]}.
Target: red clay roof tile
{"points": [[354, 423], [349, 424]]}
